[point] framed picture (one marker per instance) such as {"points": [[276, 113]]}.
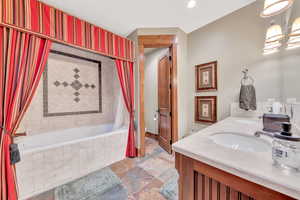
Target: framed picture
{"points": [[206, 77], [206, 109]]}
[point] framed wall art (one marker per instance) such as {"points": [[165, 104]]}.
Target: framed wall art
{"points": [[206, 77], [206, 109]]}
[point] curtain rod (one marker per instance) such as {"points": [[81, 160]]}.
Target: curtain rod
{"points": [[62, 42]]}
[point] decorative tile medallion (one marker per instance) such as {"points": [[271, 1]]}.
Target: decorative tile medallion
{"points": [[72, 85], [65, 84], [76, 85]]}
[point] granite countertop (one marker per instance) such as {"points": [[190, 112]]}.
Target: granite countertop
{"points": [[256, 167]]}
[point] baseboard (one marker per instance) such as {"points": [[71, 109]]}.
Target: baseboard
{"points": [[152, 135]]}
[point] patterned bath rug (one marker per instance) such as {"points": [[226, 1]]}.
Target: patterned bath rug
{"points": [[90, 187], [170, 189]]}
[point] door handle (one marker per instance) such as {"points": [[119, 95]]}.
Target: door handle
{"points": [[156, 115]]}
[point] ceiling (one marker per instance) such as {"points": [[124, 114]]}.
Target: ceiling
{"points": [[124, 16]]}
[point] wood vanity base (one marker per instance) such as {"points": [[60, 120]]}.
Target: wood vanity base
{"points": [[199, 181]]}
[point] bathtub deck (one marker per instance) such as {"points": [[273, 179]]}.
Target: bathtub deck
{"points": [[151, 177]]}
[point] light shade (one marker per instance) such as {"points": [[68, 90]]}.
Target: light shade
{"points": [[295, 28], [270, 51], [292, 46], [294, 40], [274, 33], [272, 45], [275, 7]]}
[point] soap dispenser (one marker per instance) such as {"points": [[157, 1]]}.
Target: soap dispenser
{"points": [[286, 148]]}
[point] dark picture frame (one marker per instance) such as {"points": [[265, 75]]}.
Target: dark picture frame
{"points": [[46, 112], [206, 109], [206, 77]]}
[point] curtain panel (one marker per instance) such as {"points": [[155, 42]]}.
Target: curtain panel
{"points": [[35, 16], [126, 78], [22, 62]]}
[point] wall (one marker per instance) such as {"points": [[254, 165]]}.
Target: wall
{"points": [[290, 63], [35, 123], [151, 88], [185, 100], [236, 41]]}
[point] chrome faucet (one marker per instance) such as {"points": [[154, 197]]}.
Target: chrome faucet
{"points": [[259, 133]]}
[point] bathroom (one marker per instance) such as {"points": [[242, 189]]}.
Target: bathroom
{"points": [[202, 104]]}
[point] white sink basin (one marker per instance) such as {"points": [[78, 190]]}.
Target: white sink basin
{"points": [[241, 142]]}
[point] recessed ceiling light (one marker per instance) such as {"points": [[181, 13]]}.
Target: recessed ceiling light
{"points": [[191, 4]]}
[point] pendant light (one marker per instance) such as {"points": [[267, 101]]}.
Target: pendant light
{"points": [[294, 40], [295, 32], [272, 45], [293, 43], [274, 33], [292, 46], [275, 7], [271, 51]]}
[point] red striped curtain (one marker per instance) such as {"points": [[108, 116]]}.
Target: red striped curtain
{"points": [[22, 61], [126, 78], [38, 17]]}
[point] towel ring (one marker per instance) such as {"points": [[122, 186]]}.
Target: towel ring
{"points": [[243, 81], [246, 78]]}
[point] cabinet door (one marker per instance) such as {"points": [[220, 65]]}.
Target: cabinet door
{"points": [[209, 189]]}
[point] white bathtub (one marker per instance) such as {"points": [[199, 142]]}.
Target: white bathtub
{"points": [[55, 158]]}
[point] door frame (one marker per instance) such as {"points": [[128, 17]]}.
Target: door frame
{"points": [[157, 41]]}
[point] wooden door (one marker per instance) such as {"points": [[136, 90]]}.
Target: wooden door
{"points": [[164, 104]]}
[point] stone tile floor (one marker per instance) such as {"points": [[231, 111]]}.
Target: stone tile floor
{"points": [[141, 178]]}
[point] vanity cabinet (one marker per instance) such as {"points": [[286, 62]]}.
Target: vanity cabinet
{"points": [[199, 181]]}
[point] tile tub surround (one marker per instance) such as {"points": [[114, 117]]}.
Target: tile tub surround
{"points": [[56, 158], [35, 123], [255, 167], [137, 180]]}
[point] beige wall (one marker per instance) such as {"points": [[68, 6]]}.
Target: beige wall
{"points": [[35, 123], [236, 41], [151, 89], [290, 63]]}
